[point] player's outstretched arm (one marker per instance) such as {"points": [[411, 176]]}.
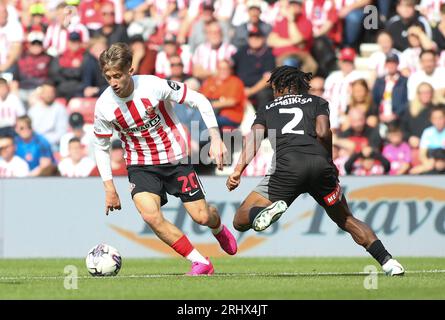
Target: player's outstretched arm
{"points": [[250, 148], [102, 153]]}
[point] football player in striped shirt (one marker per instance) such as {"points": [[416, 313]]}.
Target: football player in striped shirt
{"points": [[140, 109]]}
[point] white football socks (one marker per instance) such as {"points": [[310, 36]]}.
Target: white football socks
{"points": [[195, 256]]}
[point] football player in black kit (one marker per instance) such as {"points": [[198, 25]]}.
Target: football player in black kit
{"points": [[298, 128]]}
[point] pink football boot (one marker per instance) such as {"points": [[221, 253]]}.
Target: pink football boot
{"points": [[201, 269], [227, 241]]}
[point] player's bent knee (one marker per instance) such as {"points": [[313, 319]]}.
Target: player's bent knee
{"points": [[213, 210], [153, 218], [202, 217]]}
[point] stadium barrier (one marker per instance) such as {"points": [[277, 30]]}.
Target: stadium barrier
{"points": [[55, 217]]}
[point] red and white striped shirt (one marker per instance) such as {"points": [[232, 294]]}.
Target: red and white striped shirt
{"points": [[337, 90], [56, 37], [10, 109], [147, 125], [208, 58]]}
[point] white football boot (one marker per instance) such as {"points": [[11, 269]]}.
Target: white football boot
{"points": [[269, 215], [393, 268]]}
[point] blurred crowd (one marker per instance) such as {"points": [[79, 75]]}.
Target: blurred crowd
{"points": [[382, 71]]}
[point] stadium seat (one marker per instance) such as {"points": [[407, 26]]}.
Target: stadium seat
{"points": [[367, 49], [415, 160], [85, 106]]}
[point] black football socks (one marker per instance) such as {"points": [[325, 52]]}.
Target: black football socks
{"points": [[377, 251], [254, 212]]}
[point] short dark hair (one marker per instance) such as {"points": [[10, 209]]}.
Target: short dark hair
{"points": [[440, 107], [291, 78], [73, 140], [433, 52], [7, 136], [118, 55], [116, 144], [49, 83], [394, 126]]}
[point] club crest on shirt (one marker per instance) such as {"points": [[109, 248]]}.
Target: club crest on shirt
{"points": [[132, 186], [150, 112], [174, 85]]}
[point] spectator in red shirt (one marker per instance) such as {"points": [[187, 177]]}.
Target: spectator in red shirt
{"points": [[291, 38], [90, 12]]}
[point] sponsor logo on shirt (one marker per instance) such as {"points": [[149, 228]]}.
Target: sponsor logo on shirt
{"points": [[149, 123]]}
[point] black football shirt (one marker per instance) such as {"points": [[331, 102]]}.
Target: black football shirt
{"points": [[290, 122]]}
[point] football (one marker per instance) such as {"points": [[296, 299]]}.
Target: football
{"points": [[103, 260]]}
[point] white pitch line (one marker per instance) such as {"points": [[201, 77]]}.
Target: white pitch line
{"points": [[222, 275]]}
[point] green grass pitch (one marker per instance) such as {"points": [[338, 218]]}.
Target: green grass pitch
{"points": [[235, 278]]}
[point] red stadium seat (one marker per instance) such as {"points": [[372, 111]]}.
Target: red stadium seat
{"points": [[85, 106], [415, 160]]}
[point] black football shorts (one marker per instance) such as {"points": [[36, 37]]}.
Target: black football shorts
{"points": [[295, 173], [179, 180]]}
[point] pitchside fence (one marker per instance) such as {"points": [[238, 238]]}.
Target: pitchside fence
{"points": [[55, 217]]}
